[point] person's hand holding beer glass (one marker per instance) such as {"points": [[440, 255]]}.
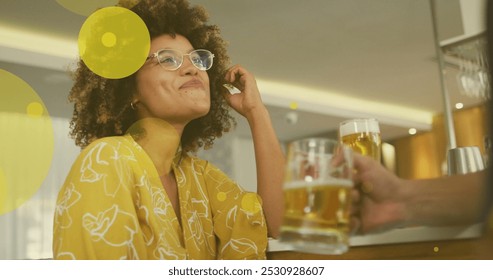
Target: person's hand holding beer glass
{"points": [[363, 136], [317, 193]]}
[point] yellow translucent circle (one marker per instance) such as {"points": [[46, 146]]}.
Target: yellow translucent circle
{"points": [[26, 142], [293, 105], [167, 132], [250, 203], [436, 249], [108, 39], [114, 42], [87, 7], [3, 185], [162, 132], [221, 196], [35, 109]]}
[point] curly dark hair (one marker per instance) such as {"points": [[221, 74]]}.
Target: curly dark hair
{"points": [[102, 106]]}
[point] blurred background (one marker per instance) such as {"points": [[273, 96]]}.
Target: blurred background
{"points": [[317, 62]]}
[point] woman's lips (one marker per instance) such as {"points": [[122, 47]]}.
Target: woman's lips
{"points": [[192, 84]]}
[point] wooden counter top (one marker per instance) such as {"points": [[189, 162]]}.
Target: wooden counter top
{"points": [[480, 248]]}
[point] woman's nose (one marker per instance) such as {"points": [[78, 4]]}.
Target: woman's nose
{"points": [[187, 68]]}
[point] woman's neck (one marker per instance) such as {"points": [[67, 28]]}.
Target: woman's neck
{"points": [[159, 139]]}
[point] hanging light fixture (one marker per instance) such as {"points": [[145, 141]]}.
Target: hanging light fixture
{"points": [[460, 160], [468, 51]]}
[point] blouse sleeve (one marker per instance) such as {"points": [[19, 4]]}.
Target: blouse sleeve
{"points": [[239, 222], [95, 216]]}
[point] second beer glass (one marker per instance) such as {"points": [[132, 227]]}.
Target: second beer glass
{"points": [[363, 136]]}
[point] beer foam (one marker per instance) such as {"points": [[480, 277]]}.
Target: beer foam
{"points": [[358, 126], [336, 182]]}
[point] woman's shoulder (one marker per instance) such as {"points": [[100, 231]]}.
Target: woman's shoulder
{"points": [[108, 147], [110, 141], [207, 169], [197, 165], [187, 159]]}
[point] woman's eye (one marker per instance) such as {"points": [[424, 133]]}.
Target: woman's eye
{"points": [[167, 60], [197, 60]]}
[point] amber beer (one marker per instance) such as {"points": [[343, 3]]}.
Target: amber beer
{"points": [[317, 216], [363, 136], [317, 196]]}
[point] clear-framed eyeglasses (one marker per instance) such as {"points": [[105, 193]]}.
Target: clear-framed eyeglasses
{"points": [[171, 59]]}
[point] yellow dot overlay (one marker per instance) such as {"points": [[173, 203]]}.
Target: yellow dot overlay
{"points": [[114, 42], [3, 186], [221, 196], [167, 134], [108, 39], [293, 105], [26, 142], [250, 203], [87, 7], [34, 109], [167, 131], [436, 249]]}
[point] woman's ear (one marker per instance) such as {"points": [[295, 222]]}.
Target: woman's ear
{"points": [[134, 103]]}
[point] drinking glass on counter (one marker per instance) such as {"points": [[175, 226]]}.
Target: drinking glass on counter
{"points": [[317, 191], [363, 136]]}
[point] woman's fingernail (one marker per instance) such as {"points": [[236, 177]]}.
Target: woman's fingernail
{"points": [[232, 89]]}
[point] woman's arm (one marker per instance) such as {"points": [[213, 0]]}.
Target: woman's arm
{"points": [[269, 158]]}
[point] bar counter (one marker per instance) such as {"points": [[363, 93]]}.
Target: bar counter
{"points": [[476, 248]]}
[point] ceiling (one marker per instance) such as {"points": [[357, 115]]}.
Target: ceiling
{"points": [[334, 59]]}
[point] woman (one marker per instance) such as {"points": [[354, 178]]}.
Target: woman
{"points": [[135, 192]]}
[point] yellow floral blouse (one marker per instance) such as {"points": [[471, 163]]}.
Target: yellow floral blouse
{"points": [[114, 206]]}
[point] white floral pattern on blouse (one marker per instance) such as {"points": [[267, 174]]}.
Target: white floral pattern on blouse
{"points": [[114, 206]]}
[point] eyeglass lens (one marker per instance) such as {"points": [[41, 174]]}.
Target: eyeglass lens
{"points": [[172, 60]]}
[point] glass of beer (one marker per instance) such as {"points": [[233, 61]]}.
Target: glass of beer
{"points": [[317, 192], [363, 136]]}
